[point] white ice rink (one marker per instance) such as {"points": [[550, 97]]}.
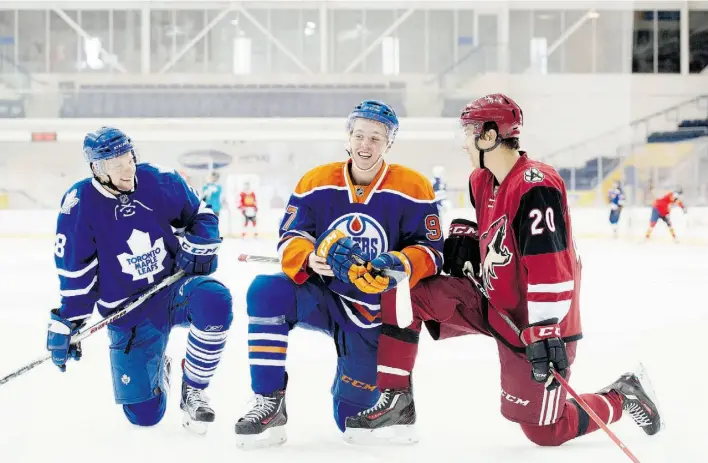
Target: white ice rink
{"points": [[639, 302]]}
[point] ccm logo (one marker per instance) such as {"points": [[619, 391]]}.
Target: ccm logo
{"points": [[462, 230], [358, 384], [515, 400], [549, 331], [199, 251]]}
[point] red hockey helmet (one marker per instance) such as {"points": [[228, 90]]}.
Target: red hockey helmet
{"points": [[497, 108]]}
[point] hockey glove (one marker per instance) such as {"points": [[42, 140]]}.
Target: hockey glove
{"points": [[197, 255], [545, 350], [58, 337], [382, 273], [462, 245], [340, 251]]}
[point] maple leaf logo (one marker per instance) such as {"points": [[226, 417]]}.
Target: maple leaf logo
{"points": [[70, 200], [146, 259]]}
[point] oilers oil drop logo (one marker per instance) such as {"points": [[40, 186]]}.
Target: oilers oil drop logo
{"points": [[366, 231]]}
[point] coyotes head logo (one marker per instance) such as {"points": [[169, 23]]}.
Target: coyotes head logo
{"points": [[497, 255]]}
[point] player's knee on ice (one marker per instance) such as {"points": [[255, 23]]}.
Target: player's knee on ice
{"points": [[545, 436], [211, 306], [270, 296], [147, 413]]}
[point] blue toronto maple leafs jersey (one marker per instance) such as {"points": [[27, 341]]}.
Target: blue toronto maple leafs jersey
{"points": [[109, 248], [396, 212]]}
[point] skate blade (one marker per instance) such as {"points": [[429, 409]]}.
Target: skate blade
{"points": [[389, 435], [199, 428], [648, 387], [269, 438]]}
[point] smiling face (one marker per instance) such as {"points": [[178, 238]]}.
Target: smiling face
{"points": [[368, 143], [120, 171]]}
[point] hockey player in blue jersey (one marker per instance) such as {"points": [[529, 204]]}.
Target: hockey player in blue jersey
{"points": [[344, 224], [212, 194], [114, 240], [616, 200]]}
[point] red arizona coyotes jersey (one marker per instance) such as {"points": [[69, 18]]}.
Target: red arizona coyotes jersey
{"points": [[530, 271]]}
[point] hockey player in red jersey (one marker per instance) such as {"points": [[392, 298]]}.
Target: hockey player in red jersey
{"points": [[249, 208], [519, 268], [661, 209]]}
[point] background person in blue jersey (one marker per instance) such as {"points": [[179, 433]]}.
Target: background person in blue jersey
{"points": [[440, 189], [616, 200], [211, 192], [344, 223], [114, 240]]}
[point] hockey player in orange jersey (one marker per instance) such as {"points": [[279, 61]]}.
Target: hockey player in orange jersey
{"points": [[661, 209], [346, 227]]}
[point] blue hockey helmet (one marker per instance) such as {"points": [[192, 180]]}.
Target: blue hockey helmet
{"points": [[375, 111], [106, 143]]}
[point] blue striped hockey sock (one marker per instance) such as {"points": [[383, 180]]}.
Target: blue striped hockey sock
{"points": [[267, 348], [203, 354]]}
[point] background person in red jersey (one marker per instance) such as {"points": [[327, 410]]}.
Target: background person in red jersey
{"points": [[661, 209], [519, 268]]}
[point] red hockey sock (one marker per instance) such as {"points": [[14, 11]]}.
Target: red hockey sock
{"points": [[575, 422], [398, 349]]}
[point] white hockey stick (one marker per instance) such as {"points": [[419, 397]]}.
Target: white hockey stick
{"points": [[404, 307], [89, 330]]}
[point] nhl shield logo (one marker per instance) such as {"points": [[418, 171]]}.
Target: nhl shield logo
{"points": [[366, 231]]}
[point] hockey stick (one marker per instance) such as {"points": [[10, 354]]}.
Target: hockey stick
{"points": [[404, 307], [598, 421], [89, 330]]}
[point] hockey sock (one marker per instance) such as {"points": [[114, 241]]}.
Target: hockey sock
{"points": [[204, 350], [398, 349], [607, 406], [267, 349]]}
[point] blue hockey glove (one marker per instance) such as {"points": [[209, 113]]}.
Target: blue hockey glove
{"points": [[197, 255], [58, 336], [341, 252]]}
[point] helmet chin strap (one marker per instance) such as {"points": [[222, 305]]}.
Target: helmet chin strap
{"points": [[376, 164], [113, 186], [485, 150]]}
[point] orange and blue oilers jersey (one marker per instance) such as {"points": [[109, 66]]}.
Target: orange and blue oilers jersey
{"points": [[395, 212]]}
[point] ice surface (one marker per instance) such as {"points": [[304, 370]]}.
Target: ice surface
{"points": [[639, 302]]}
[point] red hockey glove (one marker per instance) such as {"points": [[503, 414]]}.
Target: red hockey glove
{"points": [[545, 350]]}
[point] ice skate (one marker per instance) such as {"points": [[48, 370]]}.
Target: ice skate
{"points": [[638, 400], [390, 421], [264, 425], [197, 412]]}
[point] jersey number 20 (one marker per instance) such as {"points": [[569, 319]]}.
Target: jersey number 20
{"points": [[538, 216]]}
